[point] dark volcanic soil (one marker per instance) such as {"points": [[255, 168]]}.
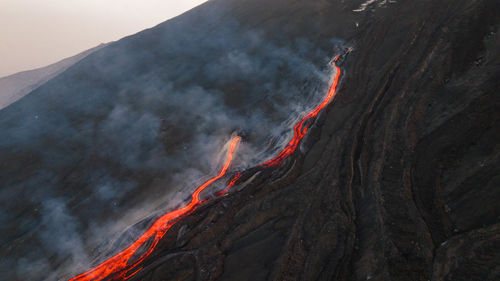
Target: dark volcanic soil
{"points": [[402, 178], [399, 179]]}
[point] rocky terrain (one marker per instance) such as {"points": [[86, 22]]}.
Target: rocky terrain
{"points": [[401, 181], [398, 179]]}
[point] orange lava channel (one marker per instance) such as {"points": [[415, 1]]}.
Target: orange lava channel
{"points": [[300, 129], [125, 264]]}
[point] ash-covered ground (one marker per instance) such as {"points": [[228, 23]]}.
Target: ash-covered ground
{"points": [[398, 179], [130, 131]]}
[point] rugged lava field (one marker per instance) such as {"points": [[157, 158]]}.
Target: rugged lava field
{"points": [[398, 178], [401, 180]]}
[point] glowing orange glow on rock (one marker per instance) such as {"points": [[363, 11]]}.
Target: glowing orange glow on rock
{"points": [[300, 129], [127, 263], [233, 181]]}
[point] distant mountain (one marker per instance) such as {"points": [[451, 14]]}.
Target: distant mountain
{"points": [[16, 86]]}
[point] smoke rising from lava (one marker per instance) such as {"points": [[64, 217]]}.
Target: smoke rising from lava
{"points": [[127, 133]]}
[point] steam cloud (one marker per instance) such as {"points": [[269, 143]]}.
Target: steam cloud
{"points": [[130, 131]]}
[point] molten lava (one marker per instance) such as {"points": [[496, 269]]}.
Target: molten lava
{"points": [[300, 129], [127, 263]]}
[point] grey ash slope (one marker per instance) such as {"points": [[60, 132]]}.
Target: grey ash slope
{"points": [[401, 181]]}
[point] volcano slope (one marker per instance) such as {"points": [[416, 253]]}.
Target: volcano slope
{"points": [[127, 134], [400, 180], [396, 180]]}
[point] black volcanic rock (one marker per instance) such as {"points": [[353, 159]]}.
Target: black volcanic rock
{"points": [[402, 179], [398, 179], [128, 132]]}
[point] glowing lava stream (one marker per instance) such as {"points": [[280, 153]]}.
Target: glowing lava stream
{"points": [[125, 264], [300, 129], [118, 267]]}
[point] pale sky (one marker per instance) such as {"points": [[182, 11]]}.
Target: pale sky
{"points": [[35, 33]]}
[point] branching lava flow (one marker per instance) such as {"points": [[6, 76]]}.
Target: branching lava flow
{"points": [[128, 262]]}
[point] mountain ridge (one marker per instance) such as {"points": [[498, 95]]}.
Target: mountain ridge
{"points": [[15, 86]]}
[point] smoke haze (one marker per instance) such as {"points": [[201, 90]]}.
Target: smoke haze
{"points": [[131, 130]]}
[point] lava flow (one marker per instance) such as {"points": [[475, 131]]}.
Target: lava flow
{"points": [[300, 129], [125, 264]]}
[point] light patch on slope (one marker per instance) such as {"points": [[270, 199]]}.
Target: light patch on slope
{"points": [[364, 6], [368, 3]]}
